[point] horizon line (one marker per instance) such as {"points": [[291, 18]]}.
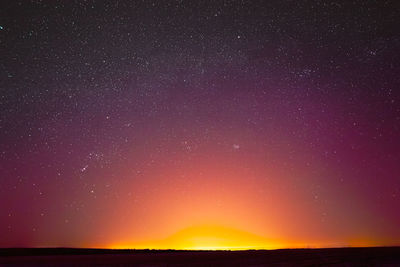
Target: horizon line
{"points": [[217, 249]]}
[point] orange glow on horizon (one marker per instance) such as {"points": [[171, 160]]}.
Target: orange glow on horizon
{"points": [[213, 237], [216, 201], [224, 204], [207, 237]]}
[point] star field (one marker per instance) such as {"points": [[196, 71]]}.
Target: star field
{"points": [[280, 118]]}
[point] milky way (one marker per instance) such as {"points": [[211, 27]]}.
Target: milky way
{"points": [[123, 122]]}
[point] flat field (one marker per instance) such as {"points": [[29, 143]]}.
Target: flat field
{"points": [[376, 256]]}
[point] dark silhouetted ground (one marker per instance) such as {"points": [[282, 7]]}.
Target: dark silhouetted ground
{"points": [[379, 256]]}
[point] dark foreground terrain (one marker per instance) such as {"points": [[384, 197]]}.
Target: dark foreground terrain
{"points": [[379, 256]]}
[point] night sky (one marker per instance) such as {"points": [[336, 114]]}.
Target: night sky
{"points": [[199, 124]]}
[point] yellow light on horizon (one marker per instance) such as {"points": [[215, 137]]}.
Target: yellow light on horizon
{"points": [[207, 237]]}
